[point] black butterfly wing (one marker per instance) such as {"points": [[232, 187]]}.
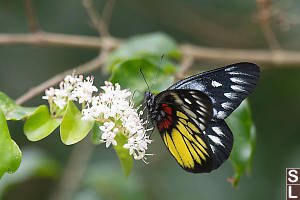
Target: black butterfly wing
{"points": [[197, 143], [227, 87], [220, 139]]}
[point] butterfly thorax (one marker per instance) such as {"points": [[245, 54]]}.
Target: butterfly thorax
{"points": [[152, 107]]}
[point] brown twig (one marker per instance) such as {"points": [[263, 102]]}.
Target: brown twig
{"points": [[279, 58], [31, 16], [187, 62], [81, 69], [107, 11], [95, 17], [264, 15], [57, 39]]}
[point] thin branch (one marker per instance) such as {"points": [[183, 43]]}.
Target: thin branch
{"points": [[264, 17], [73, 171], [186, 63], [107, 11], [31, 16], [95, 17], [279, 58], [57, 39], [81, 69]]}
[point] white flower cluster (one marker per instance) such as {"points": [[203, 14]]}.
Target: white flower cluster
{"points": [[111, 108], [72, 88], [113, 105]]}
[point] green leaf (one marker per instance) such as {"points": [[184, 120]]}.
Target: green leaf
{"points": [[244, 133], [128, 75], [6, 103], [10, 154], [12, 110], [123, 154], [72, 128], [148, 44], [35, 163], [96, 134], [40, 124], [20, 113]]}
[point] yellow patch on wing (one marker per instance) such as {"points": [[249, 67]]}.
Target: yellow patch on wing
{"points": [[182, 149], [193, 151], [200, 152], [198, 142], [185, 144], [199, 139], [193, 127], [169, 143], [181, 115]]}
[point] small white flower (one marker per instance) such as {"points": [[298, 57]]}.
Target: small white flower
{"points": [[107, 126], [109, 133], [84, 90], [49, 93], [60, 102], [87, 115]]}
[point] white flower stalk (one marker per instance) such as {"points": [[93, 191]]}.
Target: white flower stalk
{"points": [[112, 109]]}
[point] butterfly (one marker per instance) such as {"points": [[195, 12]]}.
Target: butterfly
{"points": [[190, 114]]}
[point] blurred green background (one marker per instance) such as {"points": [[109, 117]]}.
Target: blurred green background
{"points": [[275, 103]]}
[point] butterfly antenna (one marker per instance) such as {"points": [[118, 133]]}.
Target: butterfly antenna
{"points": [[134, 93], [161, 59], [144, 79]]}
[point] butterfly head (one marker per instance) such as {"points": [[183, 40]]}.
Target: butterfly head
{"points": [[149, 99]]}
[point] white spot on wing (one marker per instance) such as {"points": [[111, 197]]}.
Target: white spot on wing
{"points": [[202, 120], [199, 124], [216, 84], [213, 148], [227, 105], [177, 99], [200, 112], [217, 130], [200, 103], [187, 100], [212, 100], [215, 139], [203, 109], [215, 112], [238, 88], [202, 127], [195, 96], [239, 73], [229, 69], [231, 95], [221, 115], [238, 80], [189, 112]]}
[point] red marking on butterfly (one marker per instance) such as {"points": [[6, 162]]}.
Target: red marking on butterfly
{"points": [[166, 121]]}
